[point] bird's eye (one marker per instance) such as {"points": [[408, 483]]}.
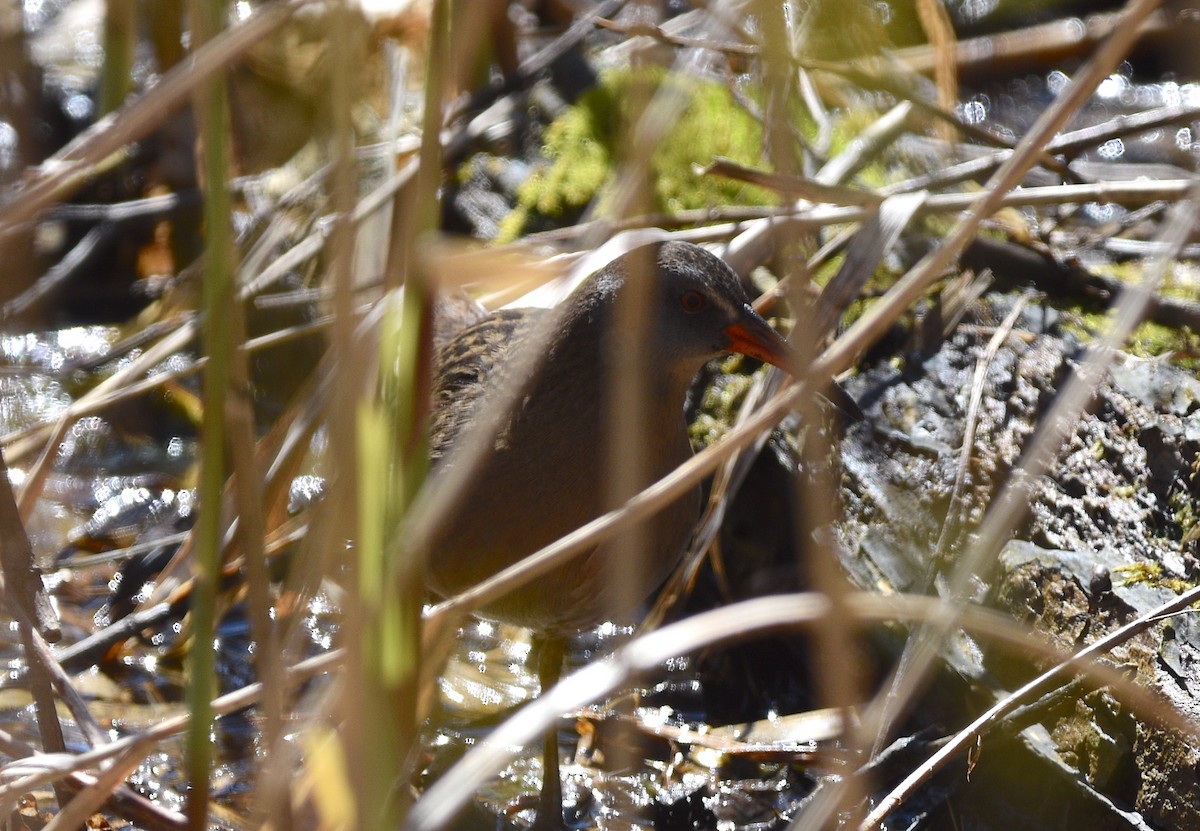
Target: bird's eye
{"points": [[692, 301]]}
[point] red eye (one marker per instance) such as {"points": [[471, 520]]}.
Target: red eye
{"points": [[692, 301]]}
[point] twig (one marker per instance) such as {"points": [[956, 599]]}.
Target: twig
{"points": [[539, 61], [654, 32], [910, 287], [20, 441], [731, 221], [26, 594], [795, 186], [906, 291], [79, 257], [29, 605], [1068, 144], [978, 386], [1045, 42], [131, 209]]}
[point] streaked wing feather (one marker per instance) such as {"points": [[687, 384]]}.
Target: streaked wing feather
{"points": [[466, 367]]}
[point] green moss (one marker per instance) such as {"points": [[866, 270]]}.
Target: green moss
{"points": [[1153, 339], [721, 401], [1151, 574], [1149, 340], [828, 270], [513, 223], [841, 30], [582, 152], [1183, 512], [1147, 572], [1172, 286]]}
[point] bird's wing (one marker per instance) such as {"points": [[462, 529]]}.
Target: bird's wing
{"points": [[468, 367]]}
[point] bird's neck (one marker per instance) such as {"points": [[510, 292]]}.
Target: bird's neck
{"points": [[590, 380], [600, 357], [610, 354]]}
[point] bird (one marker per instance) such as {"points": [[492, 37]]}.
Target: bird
{"points": [[545, 475]]}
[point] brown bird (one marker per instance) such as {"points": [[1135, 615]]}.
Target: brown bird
{"points": [[545, 476]]}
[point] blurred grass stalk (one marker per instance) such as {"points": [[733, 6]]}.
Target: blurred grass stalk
{"points": [[381, 716], [837, 673], [120, 39], [212, 116]]}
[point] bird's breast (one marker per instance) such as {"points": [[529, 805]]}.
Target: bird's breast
{"points": [[547, 478]]}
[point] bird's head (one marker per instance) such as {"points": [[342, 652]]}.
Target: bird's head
{"points": [[701, 310]]}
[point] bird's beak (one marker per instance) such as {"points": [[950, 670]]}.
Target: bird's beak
{"points": [[753, 336]]}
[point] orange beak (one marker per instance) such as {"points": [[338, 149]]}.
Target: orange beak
{"points": [[753, 336]]}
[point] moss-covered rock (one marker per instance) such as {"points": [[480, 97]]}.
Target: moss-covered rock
{"points": [[584, 146]]}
